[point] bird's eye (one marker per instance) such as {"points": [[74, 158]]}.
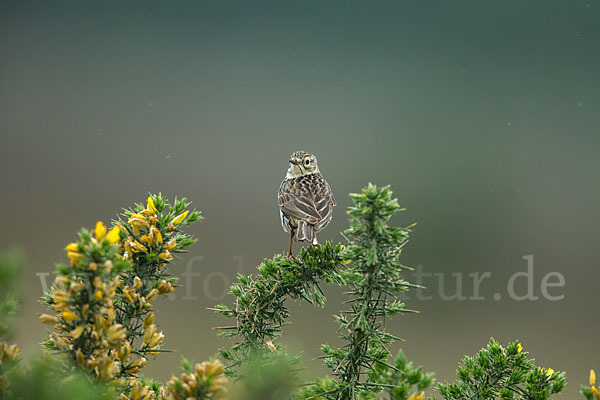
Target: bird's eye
{"points": [[306, 162]]}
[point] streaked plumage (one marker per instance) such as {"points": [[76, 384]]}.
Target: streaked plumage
{"points": [[305, 199]]}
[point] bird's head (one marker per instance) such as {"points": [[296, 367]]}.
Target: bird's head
{"points": [[302, 163]]}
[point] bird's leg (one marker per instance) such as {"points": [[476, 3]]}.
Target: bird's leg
{"points": [[291, 242]]}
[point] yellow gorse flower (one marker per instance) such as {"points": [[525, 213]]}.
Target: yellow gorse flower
{"points": [[135, 246], [75, 256], [171, 244], [417, 396], [77, 332], [69, 316], [595, 392], [592, 377], [47, 319], [100, 230], [191, 385], [519, 348], [549, 372], [150, 207], [8, 353], [137, 221], [74, 247], [179, 219], [113, 236]]}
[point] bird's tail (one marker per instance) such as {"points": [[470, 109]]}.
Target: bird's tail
{"points": [[305, 233]]}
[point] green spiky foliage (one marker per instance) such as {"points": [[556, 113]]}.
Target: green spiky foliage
{"points": [[498, 372], [374, 280], [401, 380], [10, 268], [405, 380], [260, 308]]}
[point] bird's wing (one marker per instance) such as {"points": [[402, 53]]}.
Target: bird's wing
{"points": [[325, 206], [309, 208]]}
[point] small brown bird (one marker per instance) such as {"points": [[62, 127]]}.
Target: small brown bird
{"points": [[305, 199]]}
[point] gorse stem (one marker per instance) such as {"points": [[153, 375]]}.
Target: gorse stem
{"points": [[260, 310], [375, 281]]}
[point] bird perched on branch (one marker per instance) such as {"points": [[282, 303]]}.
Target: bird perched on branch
{"points": [[305, 200]]}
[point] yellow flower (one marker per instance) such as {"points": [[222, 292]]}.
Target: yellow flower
{"points": [[179, 219], [137, 283], [124, 351], [98, 284], [156, 235], [72, 247], [47, 319], [62, 280], [165, 287], [150, 331], [138, 364], [69, 316], [137, 221], [140, 392], [150, 208], [116, 334], [8, 352], [136, 246], [166, 255], [98, 295], [113, 236], [596, 393], [156, 340], [60, 296], [519, 348], [346, 262], [75, 256], [416, 396], [549, 372], [100, 230], [592, 377], [149, 320], [150, 296], [127, 294], [146, 239], [76, 333], [170, 245]]}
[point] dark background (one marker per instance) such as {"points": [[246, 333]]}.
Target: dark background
{"points": [[482, 115]]}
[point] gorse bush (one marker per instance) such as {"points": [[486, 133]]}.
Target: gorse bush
{"points": [[105, 321], [102, 328], [507, 373], [10, 264]]}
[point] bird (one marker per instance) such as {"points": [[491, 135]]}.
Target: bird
{"points": [[305, 200]]}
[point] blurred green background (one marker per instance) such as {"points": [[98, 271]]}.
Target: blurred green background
{"points": [[484, 117]]}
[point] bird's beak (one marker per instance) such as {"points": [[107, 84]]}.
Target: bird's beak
{"points": [[292, 161]]}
